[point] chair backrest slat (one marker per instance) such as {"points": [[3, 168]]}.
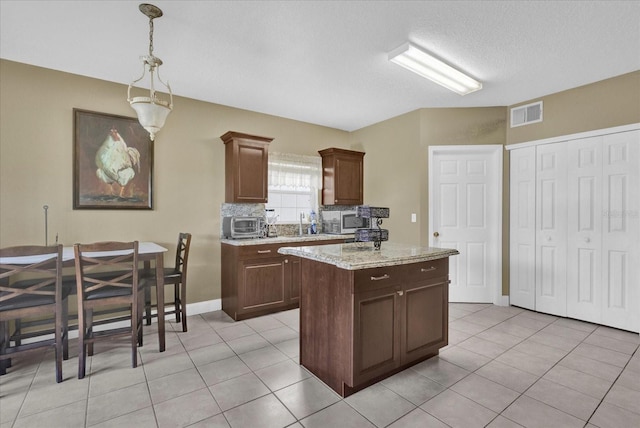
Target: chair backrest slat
{"points": [[95, 270], [182, 252], [39, 273]]}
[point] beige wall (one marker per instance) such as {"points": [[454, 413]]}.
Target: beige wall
{"points": [[605, 104], [36, 137]]}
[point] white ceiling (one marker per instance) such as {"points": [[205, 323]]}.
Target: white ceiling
{"points": [[325, 62]]}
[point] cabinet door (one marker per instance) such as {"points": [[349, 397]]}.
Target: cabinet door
{"points": [[348, 181], [522, 243], [246, 166], [584, 238], [621, 231], [551, 229], [425, 319], [376, 338], [342, 177], [262, 284], [251, 178]]}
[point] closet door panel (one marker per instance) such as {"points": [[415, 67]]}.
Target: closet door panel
{"points": [[621, 231], [551, 229], [584, 229], [522, 227]]}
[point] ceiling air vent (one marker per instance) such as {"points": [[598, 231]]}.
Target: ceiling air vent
{"points": [[524, 115]]}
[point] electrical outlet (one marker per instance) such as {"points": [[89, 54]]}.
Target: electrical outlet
{"points": [[413, 218]]}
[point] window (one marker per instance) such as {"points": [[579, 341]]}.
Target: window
{"points": [[294, 181]]}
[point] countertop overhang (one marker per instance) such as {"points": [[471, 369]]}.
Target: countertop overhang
{"points": [[361, 255]]}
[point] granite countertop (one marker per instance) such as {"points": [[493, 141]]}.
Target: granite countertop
{"points": [[361, 255], [285, 239]]}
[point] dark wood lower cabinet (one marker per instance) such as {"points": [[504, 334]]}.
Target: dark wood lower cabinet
{"points": [[256, 280], [358, 327], [263, 283], [376, 334]]}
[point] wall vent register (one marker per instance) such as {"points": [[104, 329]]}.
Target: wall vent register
{"points": [[526, 114]]}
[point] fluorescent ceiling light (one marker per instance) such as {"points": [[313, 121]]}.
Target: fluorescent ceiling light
{"points": [[415, 59]]}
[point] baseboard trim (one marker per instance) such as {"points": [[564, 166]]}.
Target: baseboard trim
{"points": [[192, 309], [503, 301]]}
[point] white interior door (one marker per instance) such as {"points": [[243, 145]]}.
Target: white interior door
{"points": [[584, 229], [551, 229], [522, 227], [621, 231], [465, 213]]}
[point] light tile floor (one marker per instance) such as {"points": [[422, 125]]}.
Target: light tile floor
{"points": [[504, 367]]}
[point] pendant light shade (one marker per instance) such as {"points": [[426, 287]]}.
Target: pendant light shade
{"points": [[151, 110]]}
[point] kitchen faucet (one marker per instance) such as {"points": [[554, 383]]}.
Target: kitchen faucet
{"points": [[300, 230]]}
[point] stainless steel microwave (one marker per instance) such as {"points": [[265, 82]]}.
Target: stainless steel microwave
{"points": [[343, 222], [242, 227]]}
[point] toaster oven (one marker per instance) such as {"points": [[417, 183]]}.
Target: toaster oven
{"points": [[242, 227]]}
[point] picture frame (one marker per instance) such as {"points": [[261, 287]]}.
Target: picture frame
{"points": [[112, 162]]}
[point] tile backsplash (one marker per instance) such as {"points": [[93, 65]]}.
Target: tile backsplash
{"points": [[283, 229]]}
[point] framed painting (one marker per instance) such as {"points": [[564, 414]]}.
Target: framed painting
{"points": [[112, 162]]}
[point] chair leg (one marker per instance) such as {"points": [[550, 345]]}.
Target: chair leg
{"points": [[18, 332], [58, 346], [135, 318], [176, 302], [89, 324], [183, 305], [139, 322], [65, 330], [147, 303], [82, 349], [4, 364]]}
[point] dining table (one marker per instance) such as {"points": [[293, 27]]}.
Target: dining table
{"points": [[147, 252]]}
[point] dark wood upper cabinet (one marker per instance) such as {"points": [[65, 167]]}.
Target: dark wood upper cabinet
{"points": [[342, 177], [246, 167]]}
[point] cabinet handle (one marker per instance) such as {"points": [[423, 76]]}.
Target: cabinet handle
{"points": [[286, 260], [428, 270], [400, 293], [378, 278], [264, 251]]}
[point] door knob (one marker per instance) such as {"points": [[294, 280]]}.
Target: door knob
{"points": [[436, 234], [587, 239]]}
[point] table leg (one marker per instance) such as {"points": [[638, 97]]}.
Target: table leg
{"points": [[160, 298]]}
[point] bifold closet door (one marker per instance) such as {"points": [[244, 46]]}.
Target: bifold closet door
{"points": [[584, 229], [522, 185], [621, 231], [551, 229]]}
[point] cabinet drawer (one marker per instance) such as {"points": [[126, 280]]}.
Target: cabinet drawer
{"points": [[377, 278], [251, 252], [426, 270]]}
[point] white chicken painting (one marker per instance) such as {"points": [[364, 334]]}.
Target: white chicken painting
{"points": [[117, 163]]}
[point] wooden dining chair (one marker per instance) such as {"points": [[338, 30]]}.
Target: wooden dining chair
{"points": [[176, 276], [107, 277], [39, 295]]}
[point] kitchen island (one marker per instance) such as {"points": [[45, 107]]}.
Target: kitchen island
{"points": [[367, 314]]}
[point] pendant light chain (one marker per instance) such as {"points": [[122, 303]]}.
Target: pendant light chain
{"points": [[151, 37]]}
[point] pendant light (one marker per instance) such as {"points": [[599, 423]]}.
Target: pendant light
{"points": [[152, 111]]}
